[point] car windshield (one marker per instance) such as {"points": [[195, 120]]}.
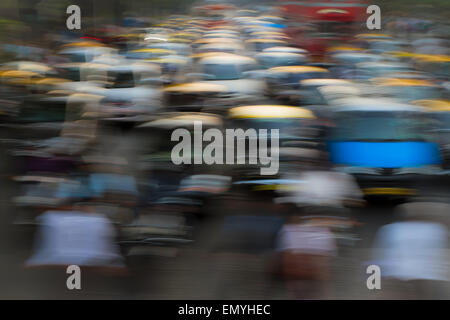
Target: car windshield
{"points": [[409, 93], [77, 57], [123, 79], [380, 70], [334, 27], [296, 77], [271, 62], [260, 46], [293, 127], [144, 54], [442, 120], [72, 74], [385, 46], [225, 71], [381, 126]]}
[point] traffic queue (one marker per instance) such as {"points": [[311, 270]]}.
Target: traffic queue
{"points": [[371, 117]]}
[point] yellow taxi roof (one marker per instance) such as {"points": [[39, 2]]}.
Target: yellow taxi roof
{"points": [[265, 41], [185, 119], [130, 35], [84, 44], [155, 50], [220, 45], [406, 54], [204, 54], [195, 87], [344, 48], [179, 40], [433, 58], [51, 81], [325, 82], [226, 58], [247, 10], [285, 49], [270, 111], [280, 54], [222, 36], [169, 60], [28, 66], [267, 32], [332, 10], [216, 40], [19, 74], [392, 82], [434, 105], [270, 17], [371, 35], [222, 27], [183, 34], [164, 25], [297, 69]]}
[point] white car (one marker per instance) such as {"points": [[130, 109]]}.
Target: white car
{"points": [[234, 72]]}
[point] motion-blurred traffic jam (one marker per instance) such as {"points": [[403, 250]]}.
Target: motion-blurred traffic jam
{"points": [[362, 150]]}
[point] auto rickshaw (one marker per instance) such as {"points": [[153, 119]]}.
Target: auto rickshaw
{"points": [[237, 73], [183, 35], [19, 77], [174, 68], [157, 164], [343, 49], [311, 95], [386, 145], [364, 38], [438, 65], [298, 136], [286, 49], [131, 92], [204, 41], [258, 45], [408, 90], [231, 34], [149, 53], [268, 35], [347, 60], [269, 60], [79, 54], [193, 96], [440, 113], [235, 48], [377, 69], [30, 66], [283, 81]]}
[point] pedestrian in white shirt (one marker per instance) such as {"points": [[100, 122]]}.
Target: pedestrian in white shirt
{"points": [[75, 237], [306, 248], [319, 185], [413, 253]]}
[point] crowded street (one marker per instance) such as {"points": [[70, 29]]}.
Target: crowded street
{"points": [[224, 150]]}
